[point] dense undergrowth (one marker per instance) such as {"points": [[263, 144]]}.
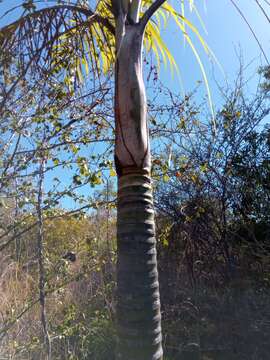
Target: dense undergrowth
{"points": [[207, 317]]}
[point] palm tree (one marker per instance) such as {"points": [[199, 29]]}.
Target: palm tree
{"points": [[52, 39], [115, 31]]}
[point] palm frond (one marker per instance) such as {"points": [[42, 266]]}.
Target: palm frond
{"points": [[154, 40], [240, 12], [52, 38]]}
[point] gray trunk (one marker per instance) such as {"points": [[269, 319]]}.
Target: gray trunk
{"points": [[132, 140], [138, 309]]}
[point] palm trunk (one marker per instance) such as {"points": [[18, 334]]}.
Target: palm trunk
{"points": [[138, 309]]}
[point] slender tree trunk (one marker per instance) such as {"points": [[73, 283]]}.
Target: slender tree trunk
{"points": [[138, 309], [40, 250], [16, 233]]}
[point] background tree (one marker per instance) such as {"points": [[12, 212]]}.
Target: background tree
{"points": [[215, 187]]}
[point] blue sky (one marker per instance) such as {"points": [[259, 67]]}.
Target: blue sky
{"points": [[228, 36]]}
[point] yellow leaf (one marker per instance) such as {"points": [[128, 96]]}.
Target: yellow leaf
{"points": [[112, 172]]}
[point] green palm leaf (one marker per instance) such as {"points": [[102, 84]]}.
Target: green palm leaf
{"points": [[62, 34]]}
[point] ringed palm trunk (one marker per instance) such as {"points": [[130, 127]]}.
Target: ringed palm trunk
{"points": [[138, 309]]}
